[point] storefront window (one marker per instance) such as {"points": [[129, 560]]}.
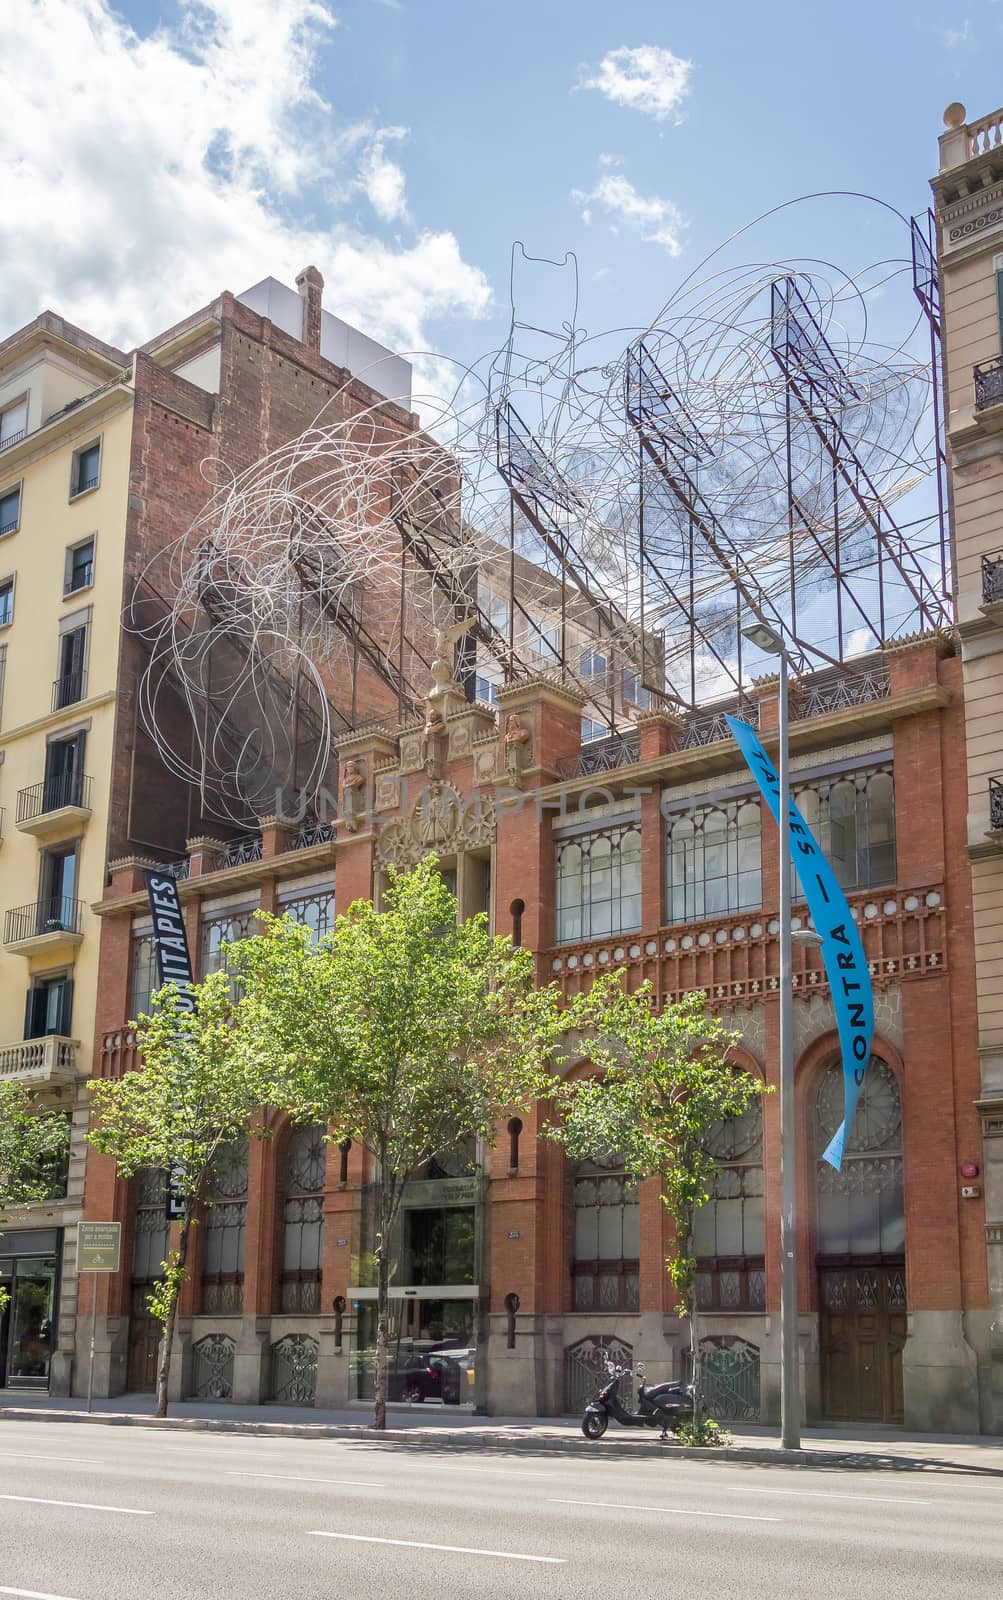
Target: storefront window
{"points": [[729, 1230], [303, 1219], [432, 1351], [607, 1240], [226, 1215]]}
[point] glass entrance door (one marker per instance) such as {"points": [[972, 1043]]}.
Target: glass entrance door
{"points": [[30, 1323], [431, 1356]]}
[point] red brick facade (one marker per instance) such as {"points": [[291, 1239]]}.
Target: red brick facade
{"points": [[894, 1326]]}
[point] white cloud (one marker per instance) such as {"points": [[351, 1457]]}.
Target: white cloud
{"points": [[657, 221], [645, 78], [142, 175], [383, 179], [956, 38]]}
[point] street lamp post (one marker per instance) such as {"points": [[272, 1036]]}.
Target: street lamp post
{"points": [[771, 643]]}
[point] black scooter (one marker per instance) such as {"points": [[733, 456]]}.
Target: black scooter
{"points": [[663, 1405]]}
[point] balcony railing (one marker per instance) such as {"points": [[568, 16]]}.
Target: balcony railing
{"points": [[179, 870], [840, 692], [996, 803], [12, 438], [989, 383], [709, 727], [34, 921], [52, 794], [602, 755], [240, 851], [313, 832], [66, 691], [49, 1060], [992, 578]]}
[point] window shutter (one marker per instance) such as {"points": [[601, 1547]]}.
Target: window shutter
{"points": [[66, 1008], [30, 1012]]}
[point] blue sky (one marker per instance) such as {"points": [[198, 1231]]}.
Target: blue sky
{"points": [[406, 143]]}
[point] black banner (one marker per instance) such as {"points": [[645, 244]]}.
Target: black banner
{"points": [[174, 966]]}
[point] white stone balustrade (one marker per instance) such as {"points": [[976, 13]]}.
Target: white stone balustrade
{"points": [[39, 1061]]}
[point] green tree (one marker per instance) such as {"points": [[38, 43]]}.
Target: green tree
{"points": [[34, 1147], [662, 1079], [403, 1030], [195, 1094]]}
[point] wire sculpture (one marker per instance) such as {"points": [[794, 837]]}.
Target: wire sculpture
{"points": [[612, 509]]}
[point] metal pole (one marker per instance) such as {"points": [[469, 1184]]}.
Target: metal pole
{"points": [[790, 1388], [94, 1318]]}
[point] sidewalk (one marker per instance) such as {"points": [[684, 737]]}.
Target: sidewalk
{"points": [[888, 1449]]}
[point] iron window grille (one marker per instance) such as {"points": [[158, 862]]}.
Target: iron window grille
{"points": [[599, 884], [606, 1260], [713, 861], [860, 1209], [225, 1228], [729, 1229], [996, 803], [303, 1221], [150, 1235], [144, 974], [223, 930], [313, 911]]}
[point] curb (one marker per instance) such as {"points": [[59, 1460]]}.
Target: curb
{"points": [[475, 1439]]}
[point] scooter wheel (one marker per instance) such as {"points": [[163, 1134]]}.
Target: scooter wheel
{"points": [[594, 1424]]}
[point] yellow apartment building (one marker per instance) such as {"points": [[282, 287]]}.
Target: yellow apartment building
{"points": [[968, 198], [65, 438]]}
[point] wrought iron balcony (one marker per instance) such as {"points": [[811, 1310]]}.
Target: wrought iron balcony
{"points": [[66, 691], [992, 578], [49, 1060], [42, 918], [240, 851], [996, 804], [602, 755], [312, 832], [12, 438], [53, 794], [989, 383]]}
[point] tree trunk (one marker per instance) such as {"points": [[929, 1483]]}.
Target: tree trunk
{"points": [[387, 1214], [167, 1337]]}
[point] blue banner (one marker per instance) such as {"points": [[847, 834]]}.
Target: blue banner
{"points": [[842, 951]]}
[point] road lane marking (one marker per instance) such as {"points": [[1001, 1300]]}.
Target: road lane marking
{"points": [[829, 1494], [296, 1477], [667, 1511], [75, 1505], [453, 1549], [32, 1594], [27, 1455]]}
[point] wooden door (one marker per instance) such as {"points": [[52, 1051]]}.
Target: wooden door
{"points": [[144, 1344], [862, 1328]]}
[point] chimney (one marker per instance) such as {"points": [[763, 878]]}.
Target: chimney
{"points": [[311, 287]]}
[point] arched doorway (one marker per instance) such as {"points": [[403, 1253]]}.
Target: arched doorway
{"points": [[860, 1249]]}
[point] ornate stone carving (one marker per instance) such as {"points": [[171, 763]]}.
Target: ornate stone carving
{"points": [[441, 823], [353, 794], [518, 748]]}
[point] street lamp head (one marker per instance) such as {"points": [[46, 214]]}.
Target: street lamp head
{"points": [[808, 938], [764, 638]]}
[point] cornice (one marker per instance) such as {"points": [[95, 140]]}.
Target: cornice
{"points": [[813, 733], [55, 719], [290, 864]]}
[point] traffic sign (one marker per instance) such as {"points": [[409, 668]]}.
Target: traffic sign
{"points": [[98, 1246]]}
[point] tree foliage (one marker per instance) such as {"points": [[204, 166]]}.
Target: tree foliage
{"points": [[34, 1146], [404, 1030], [195, 1094]]}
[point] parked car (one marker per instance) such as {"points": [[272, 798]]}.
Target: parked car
{"points": [[414, 1376]]}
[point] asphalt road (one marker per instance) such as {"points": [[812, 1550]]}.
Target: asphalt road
{"points": [[114, 1514]]}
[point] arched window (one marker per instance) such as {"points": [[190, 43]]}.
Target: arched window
{"points": [[853, 818], [607, 1247], [598, 884], [225, 929], [149, 1249], [315, 911], [303, 1219], [713, 861], [225, 1220], [860, 1211], [728, 1231]]}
